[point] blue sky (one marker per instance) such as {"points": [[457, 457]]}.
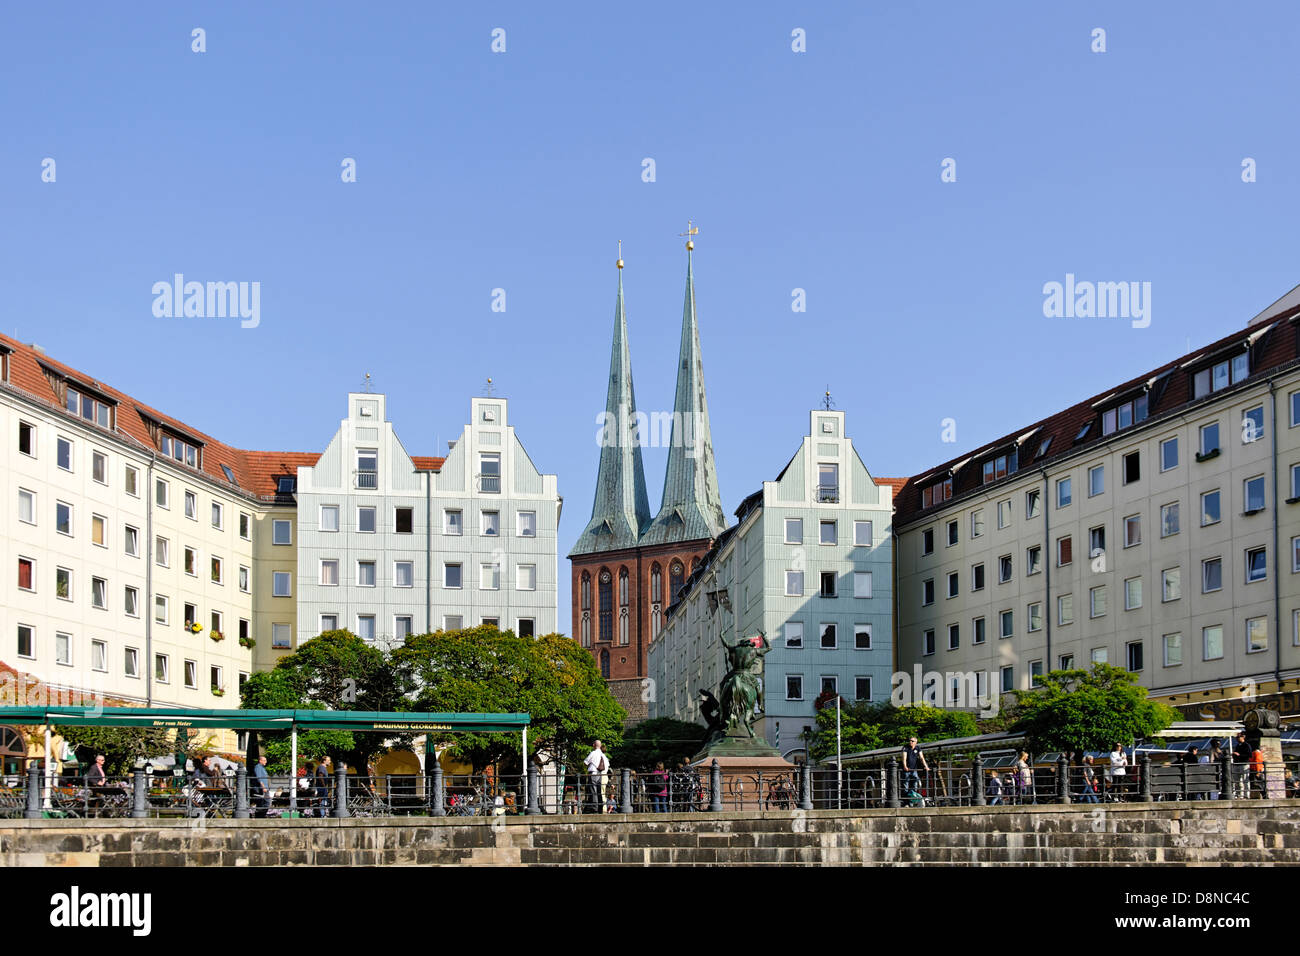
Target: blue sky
{"points": [[520, 170]]}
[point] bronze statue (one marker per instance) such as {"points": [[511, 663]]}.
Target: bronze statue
{"points": [[742, 691]]}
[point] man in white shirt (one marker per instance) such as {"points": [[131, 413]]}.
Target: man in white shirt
{"points": [[597, 765]]}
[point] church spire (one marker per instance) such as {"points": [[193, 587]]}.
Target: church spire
{"points": [[692, 506], [621, 510]]}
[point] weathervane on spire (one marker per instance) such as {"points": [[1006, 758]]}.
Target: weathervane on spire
{"points": [[366, 383], [690, 231], [488, 389], [620, 254], [827, 402]]}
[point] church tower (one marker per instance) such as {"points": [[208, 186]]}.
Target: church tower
{"points": [[626, 568]]}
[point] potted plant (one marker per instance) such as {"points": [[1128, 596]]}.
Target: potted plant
{"points": [[193, 626], [217, 635], [246, 642], [218, 692]]}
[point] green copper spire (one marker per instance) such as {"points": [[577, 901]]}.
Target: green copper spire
{"points": [[692, 507], [621, 510]]}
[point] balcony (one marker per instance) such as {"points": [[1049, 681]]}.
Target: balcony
{"points": [[489, 484], [828, 494], [368, 480]]}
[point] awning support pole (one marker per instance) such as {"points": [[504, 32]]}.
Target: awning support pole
{"points": [[293, 770], [49, 766], [525, 766]]}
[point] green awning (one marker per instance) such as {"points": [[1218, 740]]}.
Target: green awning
{"points": [[356, 720]]}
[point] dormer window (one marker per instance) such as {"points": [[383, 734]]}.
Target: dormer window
{"points": [[936, 493], [1125, 415], [1045, 444], [1220, 375], [1083, 432], [1001, 466], [91, 409], [286, 486], [181, 450]]}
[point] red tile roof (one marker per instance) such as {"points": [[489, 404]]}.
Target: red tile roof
{"points": [[1274, 344], [894, 483], [255, 471]]}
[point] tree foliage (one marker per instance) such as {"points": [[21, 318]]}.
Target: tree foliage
{"points": [[867, 726], [1089, 710], [663, 739], [121, 746], [277, 690]]}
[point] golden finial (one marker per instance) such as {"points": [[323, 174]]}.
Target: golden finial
{"points": [[620, 254], [690, 231]]}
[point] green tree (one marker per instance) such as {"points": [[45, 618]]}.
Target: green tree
{"points": [[1089, 710], [661, 739], [277, 690], [121, 746], [867, 726]]}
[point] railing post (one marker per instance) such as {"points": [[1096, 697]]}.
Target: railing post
{"points": [[439, 796], [241, 794], [715, 787], [891, 783], [805, 787], [1183, 794], [532, 809], [1062, 779], [33, 811], [139, 806], [341, 793], [625, 790], [1225, 771], [1144, 777], [977, 782]]}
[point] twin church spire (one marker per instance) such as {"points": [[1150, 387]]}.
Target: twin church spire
{"points": [[691, 506]]}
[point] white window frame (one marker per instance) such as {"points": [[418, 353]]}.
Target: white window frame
{"points": [[276, 577], [276, 525], [320, 576], [521, 572], [397, 577], [374, 573]]}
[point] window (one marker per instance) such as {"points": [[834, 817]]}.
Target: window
{"points": [[1100, 655], [1096, 480], [131, 481], [977, 630], [1211, 575], [1035, 672], [63, 518], [402, 626], [1133, 655], [64, 455], [329, 572], [490, 523], [281, 531], [526, 524], [162, 552], [191, 506], [1033, 503], [131, 541], [935, 494], [489, 577], [244, 578], [1168, 519], [365, 574], [131, 601], [286, 486], [1295, 484], [1256, 565], [26, 506], [1168, 454], [1000, 467], [245, 629], [452, 523], [954, 636], [1006, 623], [1064, 551], [63, 648], [1210, 508], [246, 525], [99, 593], [1253, 493], [1004, 513], [1097, 601], [367, 468], [862, 584], [160, 493], [952, 533], [26, 574], [927, 541], [280, 636], [1209, 441], [1065, 609], [404, 574], [1132, 593], [1256, 635], [27, 438], [1036, 616], [1132, 467], [862, 536], [1132, 530], [526, 577], [160, 668], [490, 473], [218, 516], [1173, 649], [927, 592], [1124, 416], [1212, 639], [862, 637], [218, 571], [977, 577], [160, 606], [794, 583], [366, 523], [1004, 569], [954, 584], [828, 482], [63, 584], [828, 584], [927, 642], [794, 687], [1295, 409], [828, 636], [191, 562], [1171, 584], [192, 674], [366, 627], [1034, 559], [329, 517], [329, 622], [793, 634], [862, 688], [99, 467], [977, 523], [1295, 555], [1067, 662], [280, 584], [828, 532], [1008, 678], [1063, 495], [1252, 425], [794, 531]]}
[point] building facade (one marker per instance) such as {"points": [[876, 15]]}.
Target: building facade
{"points": [[810, 565], [1154, 527], [626, 566]]}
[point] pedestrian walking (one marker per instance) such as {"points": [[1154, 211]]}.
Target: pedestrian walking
{"points": [[1088, 792], [597, 765], [913, 764]]}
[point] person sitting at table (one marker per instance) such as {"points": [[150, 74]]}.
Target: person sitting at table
{"points": [[95, 776]]}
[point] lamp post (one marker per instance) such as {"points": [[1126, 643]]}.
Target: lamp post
{"points": [[839, 759]]}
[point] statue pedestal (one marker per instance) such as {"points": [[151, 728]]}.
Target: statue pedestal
{"points": [[754, 775]]}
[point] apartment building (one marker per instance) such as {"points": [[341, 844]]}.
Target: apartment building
{"points": [[809, 564], [1153, 526]]}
